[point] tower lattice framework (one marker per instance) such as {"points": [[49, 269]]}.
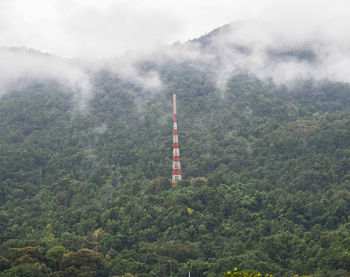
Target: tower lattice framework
{"points": [[176, 151]]}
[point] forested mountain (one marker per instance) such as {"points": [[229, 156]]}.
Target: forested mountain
{"points": [[266, 180]]}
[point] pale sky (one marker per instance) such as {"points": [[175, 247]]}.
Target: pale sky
{"points": [[92, 28]]}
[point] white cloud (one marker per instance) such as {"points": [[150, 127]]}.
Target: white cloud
{"points": [[328, 41], [23, 64], [92, 29], [71, 28]]}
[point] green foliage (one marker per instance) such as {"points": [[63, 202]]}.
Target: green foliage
{"points": [[27, 270], [245, 273], [266, 179], [84, 259], [54, 256], [4, 263]]}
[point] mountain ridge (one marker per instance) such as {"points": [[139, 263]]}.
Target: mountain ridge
{"points": [[265, 167]]}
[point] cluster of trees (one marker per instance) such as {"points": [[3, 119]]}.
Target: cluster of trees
{"points": [[245, 273], [266, 179], [57, 262]]}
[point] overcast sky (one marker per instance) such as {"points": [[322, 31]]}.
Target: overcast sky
{"points": [[92, 28]]}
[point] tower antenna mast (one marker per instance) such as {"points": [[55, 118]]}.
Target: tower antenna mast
{"points": [[176, 151]]}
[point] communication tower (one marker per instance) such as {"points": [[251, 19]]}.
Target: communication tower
{"points": [[176, 151]]}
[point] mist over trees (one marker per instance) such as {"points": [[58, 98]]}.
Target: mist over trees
{"points": [[87, 192]]}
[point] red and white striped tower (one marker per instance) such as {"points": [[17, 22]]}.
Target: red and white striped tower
{"points": [[176, 151]]}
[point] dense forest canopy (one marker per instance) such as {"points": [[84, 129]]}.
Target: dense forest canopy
{"points": [[85, 189]]}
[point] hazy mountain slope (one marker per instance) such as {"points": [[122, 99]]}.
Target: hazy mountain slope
{"points": [[266, 176]]}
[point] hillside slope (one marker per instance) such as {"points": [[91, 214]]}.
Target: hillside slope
{"points": [[266, 178]]}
